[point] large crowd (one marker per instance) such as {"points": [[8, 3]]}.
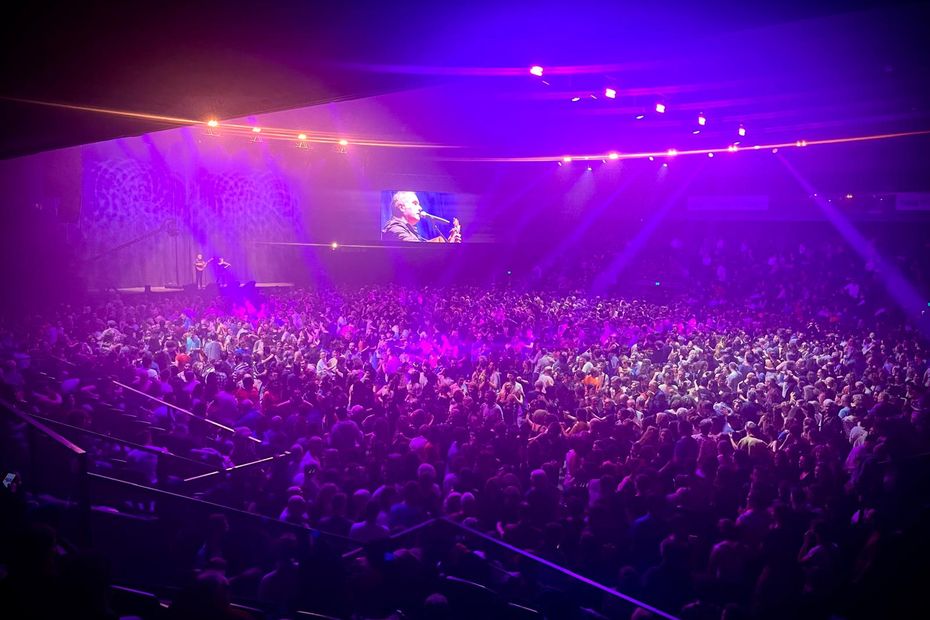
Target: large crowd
{"points": [[760, 458]]}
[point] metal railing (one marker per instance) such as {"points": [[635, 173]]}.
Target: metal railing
{"points": [[163, 403], [167, 511], [611, 592], [182, 461], [155, 493], [212, 475], [50, 462]]}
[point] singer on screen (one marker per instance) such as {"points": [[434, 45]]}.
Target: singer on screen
{"points": [[406, 213]]}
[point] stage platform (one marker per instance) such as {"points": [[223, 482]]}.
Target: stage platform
{"points": [[168, 290]]}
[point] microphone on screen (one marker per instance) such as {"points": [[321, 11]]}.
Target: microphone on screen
{"points": [[435, 218]]}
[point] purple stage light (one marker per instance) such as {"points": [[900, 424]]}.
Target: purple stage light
{"points": [[741, 131], [660, 108], [610, 93], [576, 98], [702, 120], [613, 156], [536, 70], [672, 152], [640, 117]]}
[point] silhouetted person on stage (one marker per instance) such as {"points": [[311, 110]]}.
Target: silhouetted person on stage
{"points": [[222, 271]]}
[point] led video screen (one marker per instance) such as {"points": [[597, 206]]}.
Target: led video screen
{"points": [[409, 216]]}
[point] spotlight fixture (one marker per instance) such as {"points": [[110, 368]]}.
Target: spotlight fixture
{"points": [[566, 158], [711, 155], [256, 134], [660, 108], [613, 156], [695, 132], [256, 129], [640, 117], [334, 245], [536, 70], [590, 168], [610, 93], [343, 142], [576, 98], [665, 164], [741, 131], [672, 152], [775, 150], [302, 141], [302, 137], [651, 158], [212, 123], [702, 120]]}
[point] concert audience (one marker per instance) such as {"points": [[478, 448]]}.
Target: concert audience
{"points": [[752, 446]]}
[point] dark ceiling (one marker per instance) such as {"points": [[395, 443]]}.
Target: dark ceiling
{"points": [[197, 60]]}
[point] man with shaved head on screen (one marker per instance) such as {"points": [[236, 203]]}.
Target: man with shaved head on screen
{"points": [[406, 212]]}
